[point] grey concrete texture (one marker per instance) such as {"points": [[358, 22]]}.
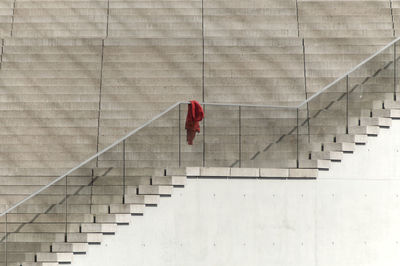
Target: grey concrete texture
{"points": [[36, 230], [64, 96]]}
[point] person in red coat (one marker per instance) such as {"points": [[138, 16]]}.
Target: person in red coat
{"points": [[194, 116]]}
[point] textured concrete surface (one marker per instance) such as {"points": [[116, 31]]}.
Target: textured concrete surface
{"points": [[64, 96], [346, 217]]}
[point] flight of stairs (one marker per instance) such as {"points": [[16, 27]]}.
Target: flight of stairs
{"points": [[76, 76], [52, 226], [99, 200]]}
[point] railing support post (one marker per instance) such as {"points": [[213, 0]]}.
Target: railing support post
{"points": [[204, 138], [240, 136], [5, 240], [347, 104], [123, 172], [66, 209], [179, 136], [91, 191], [395, 72], [297, 139]]}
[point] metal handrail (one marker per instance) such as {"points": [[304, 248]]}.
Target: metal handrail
{"points": [[247, 105], [126, 137], [204, 103], [349, 72]]}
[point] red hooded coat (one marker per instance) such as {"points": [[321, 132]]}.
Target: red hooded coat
{"points": [[194, 116]]}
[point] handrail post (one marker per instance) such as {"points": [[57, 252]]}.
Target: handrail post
{"points": [[179, 136], [66, 209], [123, 172], [347, 104], [91, 191], [204, 138], [5, 240], [395, 71], [297, 139], [240, 136]]}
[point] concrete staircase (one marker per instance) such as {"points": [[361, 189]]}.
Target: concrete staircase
{"points": [[76, 76], [51, 227], [62, 220]]}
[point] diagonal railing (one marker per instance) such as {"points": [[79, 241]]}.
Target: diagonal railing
{"points": [[130, 134], [298, 107], [233, 135], [357, 67], [274, 107]]}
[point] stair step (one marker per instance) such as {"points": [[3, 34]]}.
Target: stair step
{"points": [[142, 199], [50, 218], [390, 104], [364, 130], [54, 257], [192, 171], [17, 238], [34, 264], [13, 257], [169, 180], [113, 218], [327, 155], [69, 247], [388, 113], [376, 121], [303, 173], [274, 173], [26, 246], [91, 238], [99, 228], [350, 138], [245, 172], [175, 171], [155, 190], [127, 208], [215, 171], [52, 227], [339, 146], [315, 164]]}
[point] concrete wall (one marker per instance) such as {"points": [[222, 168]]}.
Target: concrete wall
{"points": [[349, 216], [66, 97]]}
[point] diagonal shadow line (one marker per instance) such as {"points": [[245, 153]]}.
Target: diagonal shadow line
{"points": [[320, 111], [153, 48], [57, 105], [230, 58], [54, 205]]}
